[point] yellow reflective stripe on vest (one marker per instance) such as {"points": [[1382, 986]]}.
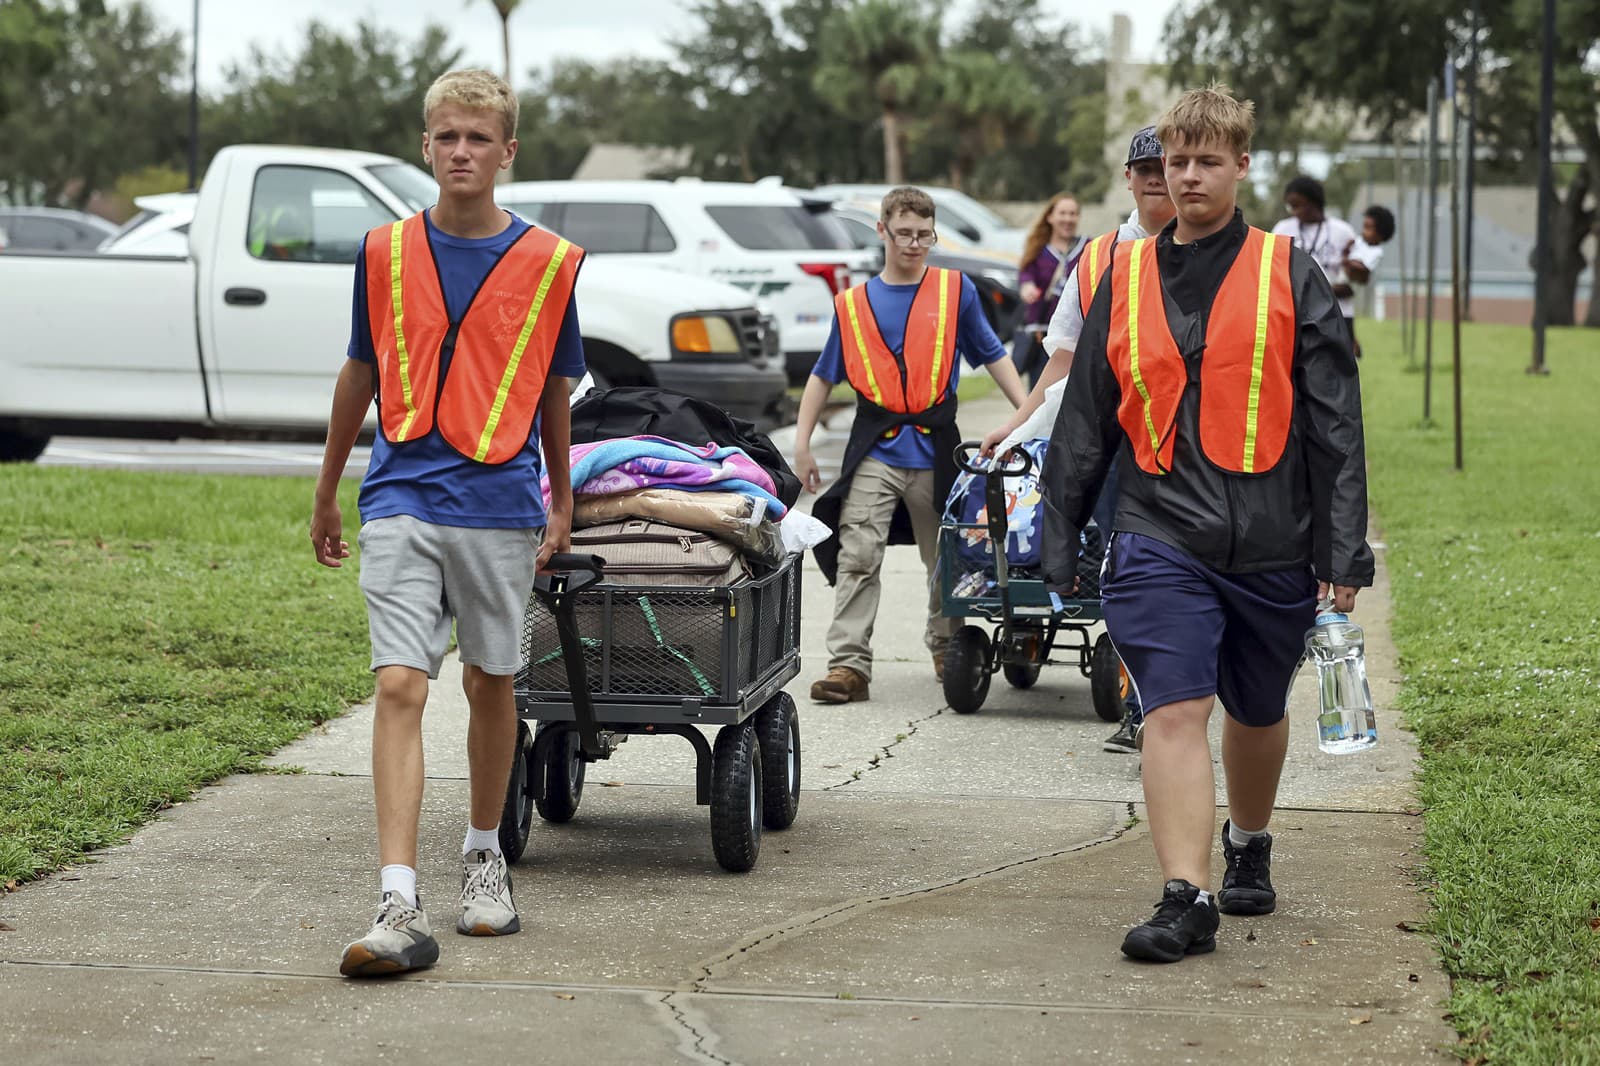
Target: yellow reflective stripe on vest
{"points": [[1258, 356], [1133, 346], [938, 338], [1094, 265], [861, 344], [516, 352], [396, 235]]}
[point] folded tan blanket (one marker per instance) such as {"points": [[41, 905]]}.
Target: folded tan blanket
{"points": [[729, 516]]}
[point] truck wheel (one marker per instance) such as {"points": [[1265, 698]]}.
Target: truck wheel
{"points": [[966, 670], [778, 730], [517, 818], [22, 447], [1106, 680], [560, 751], [736, 798]]}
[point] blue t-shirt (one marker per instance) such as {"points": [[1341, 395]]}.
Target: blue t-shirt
{"points": [[891, 307], [426, 478]]}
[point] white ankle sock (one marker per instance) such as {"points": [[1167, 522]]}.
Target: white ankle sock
{"points": [[481, 840], [1241, 838], [1203, 899], [400, 879]]}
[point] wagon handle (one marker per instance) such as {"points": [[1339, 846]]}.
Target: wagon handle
{"points": [[1014, 463]]}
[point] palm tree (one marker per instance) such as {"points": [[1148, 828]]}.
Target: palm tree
{"points": [[504, 8], [876, 53]]}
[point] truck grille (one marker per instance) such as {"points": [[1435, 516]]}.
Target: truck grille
{"points": [[758, 334]]}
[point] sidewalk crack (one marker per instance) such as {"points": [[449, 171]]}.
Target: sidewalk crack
{"points": [[763, 939], [692, 1042], [886, 752]]}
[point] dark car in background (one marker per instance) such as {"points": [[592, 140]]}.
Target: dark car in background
{"points": [[994, 278], [53, 229]]}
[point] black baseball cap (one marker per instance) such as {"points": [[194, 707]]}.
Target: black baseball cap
{"points": [[1143, 146]]}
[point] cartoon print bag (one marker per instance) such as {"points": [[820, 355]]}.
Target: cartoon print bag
{"points": [[1024, 513]]}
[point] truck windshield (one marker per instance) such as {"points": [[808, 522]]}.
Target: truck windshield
{"points": [[407, 182]]}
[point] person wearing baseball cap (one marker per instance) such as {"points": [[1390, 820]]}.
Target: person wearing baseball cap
{"points": [[1152, 209]]}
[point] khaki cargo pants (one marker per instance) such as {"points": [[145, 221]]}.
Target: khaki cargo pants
{"points": [[863, 537]]}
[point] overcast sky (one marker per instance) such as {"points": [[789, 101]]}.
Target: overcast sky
{"points": [[540, 30]]}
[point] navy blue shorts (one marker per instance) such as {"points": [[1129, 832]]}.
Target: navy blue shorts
{"points": [[1186, 631]]}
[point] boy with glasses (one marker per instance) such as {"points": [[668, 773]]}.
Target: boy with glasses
{"points": [[898, 340]]}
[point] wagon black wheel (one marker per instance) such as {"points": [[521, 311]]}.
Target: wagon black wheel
{"points": [[966, 670], [736, 797], [778, 731], [516, 819], [559, 751], [1021, 675], [1107, 682]]}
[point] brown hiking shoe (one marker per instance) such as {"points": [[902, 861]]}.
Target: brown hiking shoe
{"points": [[842, 685], [938, 666]]}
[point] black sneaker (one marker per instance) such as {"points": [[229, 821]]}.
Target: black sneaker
{"points": [[1123, 740], [1181, 926], [1247, 886]]}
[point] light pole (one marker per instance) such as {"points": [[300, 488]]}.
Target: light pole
{"points": [[194, 101], [1541, 256]]}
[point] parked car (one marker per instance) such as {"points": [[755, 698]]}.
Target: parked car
{"points": [[159, 227], [244, 337], [994, 277], [792, 257], [52, 229], [957, 212]]}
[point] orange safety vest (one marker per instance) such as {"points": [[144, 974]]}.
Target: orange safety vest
{"points": [[1096, 257], [484, 404], [1246, 387], [920, 378]]}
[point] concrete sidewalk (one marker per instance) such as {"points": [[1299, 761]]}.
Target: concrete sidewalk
{"points": [[954, 890]]}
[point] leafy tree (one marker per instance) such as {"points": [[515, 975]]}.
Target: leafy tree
{"points": [[30, 44], [875, 55], [985, 104], [1021, 107], [363, 90], [1292, 56], [577, 104], [748, 102], [107, 98]]}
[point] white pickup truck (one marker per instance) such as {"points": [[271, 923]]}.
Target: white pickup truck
{"points": [[244, 336]]}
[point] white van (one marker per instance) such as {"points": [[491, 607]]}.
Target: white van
{"points": [[791, 255]]}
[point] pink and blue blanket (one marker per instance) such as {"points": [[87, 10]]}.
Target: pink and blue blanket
{"points": [[623, 464]]}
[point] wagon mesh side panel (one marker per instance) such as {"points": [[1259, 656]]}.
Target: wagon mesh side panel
{"points": [[665, 642]]}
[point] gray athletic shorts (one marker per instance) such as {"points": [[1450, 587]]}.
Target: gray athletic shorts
{"points": [[418, 576]]}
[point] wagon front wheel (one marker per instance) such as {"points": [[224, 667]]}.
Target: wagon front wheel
{"points": [[560, 753], [966, 670], [736, 797]]}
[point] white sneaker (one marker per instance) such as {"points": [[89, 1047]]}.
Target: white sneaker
{"points": [[400, 940], [487, 908]]}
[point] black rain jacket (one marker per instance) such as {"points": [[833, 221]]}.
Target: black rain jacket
{"points": [[1310, 509]]}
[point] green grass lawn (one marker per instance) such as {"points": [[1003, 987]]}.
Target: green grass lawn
{"points": [[157, 631], [1496, 580]]}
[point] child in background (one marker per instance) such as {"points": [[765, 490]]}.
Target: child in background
{"points": [[1362, 257]]}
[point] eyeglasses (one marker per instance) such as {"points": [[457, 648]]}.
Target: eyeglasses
{"points": [[907, 239]]}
